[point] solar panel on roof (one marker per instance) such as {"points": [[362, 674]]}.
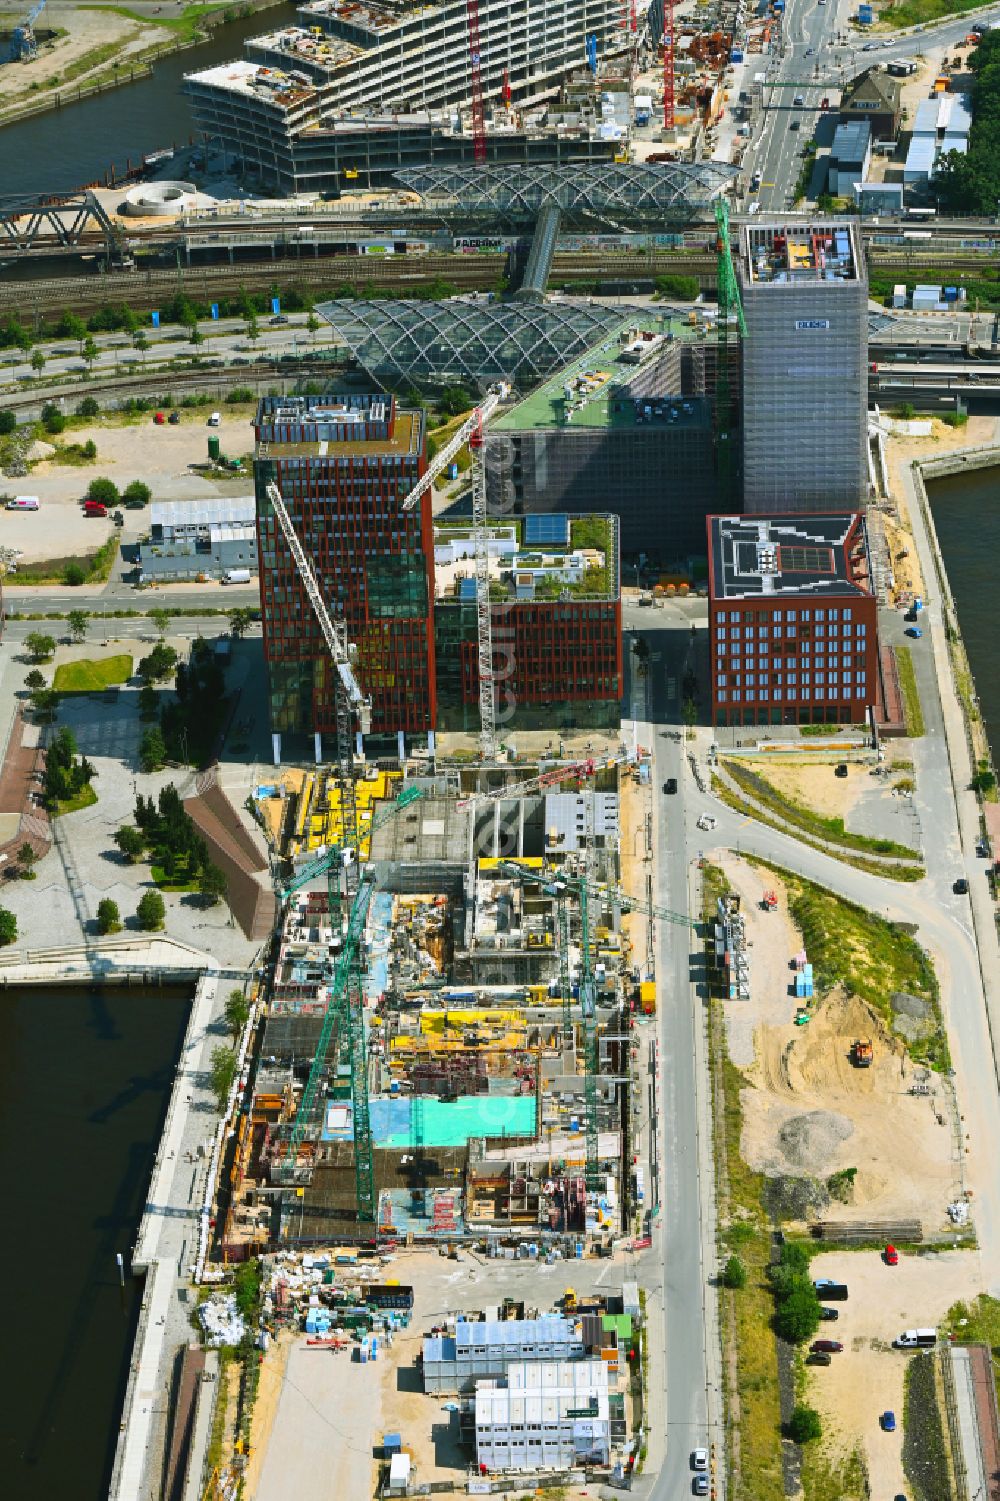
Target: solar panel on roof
{"points": [[466, 588], [551, 528]]}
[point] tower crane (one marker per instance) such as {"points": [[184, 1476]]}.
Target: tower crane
{"points": [[729, 302], [344, 1010], [23, 44], [473, 432], [349, 699], [581, 770]]}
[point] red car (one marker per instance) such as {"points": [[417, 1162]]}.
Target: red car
{"points": [[891, 1256], [832, 1346], [159, 419]]}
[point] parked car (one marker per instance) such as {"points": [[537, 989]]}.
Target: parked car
{"points": [[159, 419], [174, 418], [827, 1314], [888, 1421], [699, 1485], [819, 1357], [832, 1346], [891, 1256], [795, 125], [835, 1291], [914, 631], [670, 785], [960, 887], [699, 1459], [840, 770]]}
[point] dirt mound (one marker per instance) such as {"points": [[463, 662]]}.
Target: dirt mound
{"points": [[787, 1198], [810, 1141]]}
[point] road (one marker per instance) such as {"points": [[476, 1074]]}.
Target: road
{"points": [[225, 341], [115, 595], [104, 628], [820, 55]]}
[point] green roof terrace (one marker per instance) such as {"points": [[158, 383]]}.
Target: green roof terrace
{"points": [[593, 391], [527, 571]]}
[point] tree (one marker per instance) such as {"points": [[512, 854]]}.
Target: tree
{"points": [[45, 702], [689, 713], [109, 919], [88, 407], [804, 1425], [34, 680], [70, 326], [222, 1073], [151, 912], [734, 1274], [239, 623], [161, 619], [90, 353], [41, 647], [140, 342], [152, 749], [66, 773], [74, 574], [159, 664], [88, 450], [797, 1318], [237, 1012], [313, 325], [136, 494], [212, 884], [196, 336], [130, 842], [8, 422], [26, 857], [53, 420], [78, 624], [253, 330], [8, 927], [37, 361], [148, 702], [104, 490]]}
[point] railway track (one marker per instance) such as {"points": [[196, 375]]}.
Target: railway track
{"points": [[30, 300]]}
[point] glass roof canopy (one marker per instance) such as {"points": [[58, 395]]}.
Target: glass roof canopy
{"points": [[472, 340], [587, 193]]}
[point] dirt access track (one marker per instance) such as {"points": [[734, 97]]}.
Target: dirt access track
{"points": [[808, 1112]]}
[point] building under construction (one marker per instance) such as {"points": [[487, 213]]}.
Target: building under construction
{"points": [[465, 1047]]}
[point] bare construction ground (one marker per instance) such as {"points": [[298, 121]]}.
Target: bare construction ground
{"points": [[160, 456], [866, 1378], [87, 41], [808, 1112], [317, 1440]]}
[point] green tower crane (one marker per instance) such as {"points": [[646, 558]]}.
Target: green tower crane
{"points": [[729, 302]]}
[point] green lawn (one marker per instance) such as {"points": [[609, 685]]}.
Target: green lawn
{"points": [[911, 698], [179, 881], [91, 676], [85, 798]]}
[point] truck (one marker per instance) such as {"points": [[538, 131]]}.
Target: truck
{"points": [[916, 1339], [831, 1292], [236, 576], [643, 108]]}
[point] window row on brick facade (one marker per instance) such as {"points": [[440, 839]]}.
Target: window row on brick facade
{"points": [[789, 695]]}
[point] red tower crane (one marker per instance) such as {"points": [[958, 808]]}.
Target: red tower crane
{"points": [[668, 64], [475, 63]]}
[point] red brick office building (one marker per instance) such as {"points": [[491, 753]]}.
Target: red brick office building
{"points": [[792, 620]]}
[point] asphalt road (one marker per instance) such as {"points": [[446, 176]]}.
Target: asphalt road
{"points": [[115, 595], [816, 55], [679, 1226], [104, 628]]}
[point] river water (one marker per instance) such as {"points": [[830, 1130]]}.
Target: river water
{"points": [[84, 1082], [68, 147], [966, 510]]}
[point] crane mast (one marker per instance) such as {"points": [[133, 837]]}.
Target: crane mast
{"points": [[476, 79]]}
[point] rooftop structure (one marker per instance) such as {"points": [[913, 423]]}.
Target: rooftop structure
{"points": [[850, 156], [192, 538], [634, 193], [793, 620], [804, 365], [471, 339], [808, 556], [578, 569], [875, 97], [488, 1347], [942, 124]]}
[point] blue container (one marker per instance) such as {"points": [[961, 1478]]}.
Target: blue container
{"points": [[951, 294], [392, 1443], [866, 15]]}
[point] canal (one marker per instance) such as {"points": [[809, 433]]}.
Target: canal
{"points": [[966, 510], [84, 1083], [68, 147]]}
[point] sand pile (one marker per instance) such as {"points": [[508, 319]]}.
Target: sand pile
{"points": [[810, 1141]]}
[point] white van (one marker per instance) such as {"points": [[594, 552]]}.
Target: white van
{"points": [[916, 1339], [215, 419], [236, 576], [23, 503]]}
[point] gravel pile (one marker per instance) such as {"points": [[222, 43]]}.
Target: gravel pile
{"points": [[787, 1198], [810, 1141]]}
